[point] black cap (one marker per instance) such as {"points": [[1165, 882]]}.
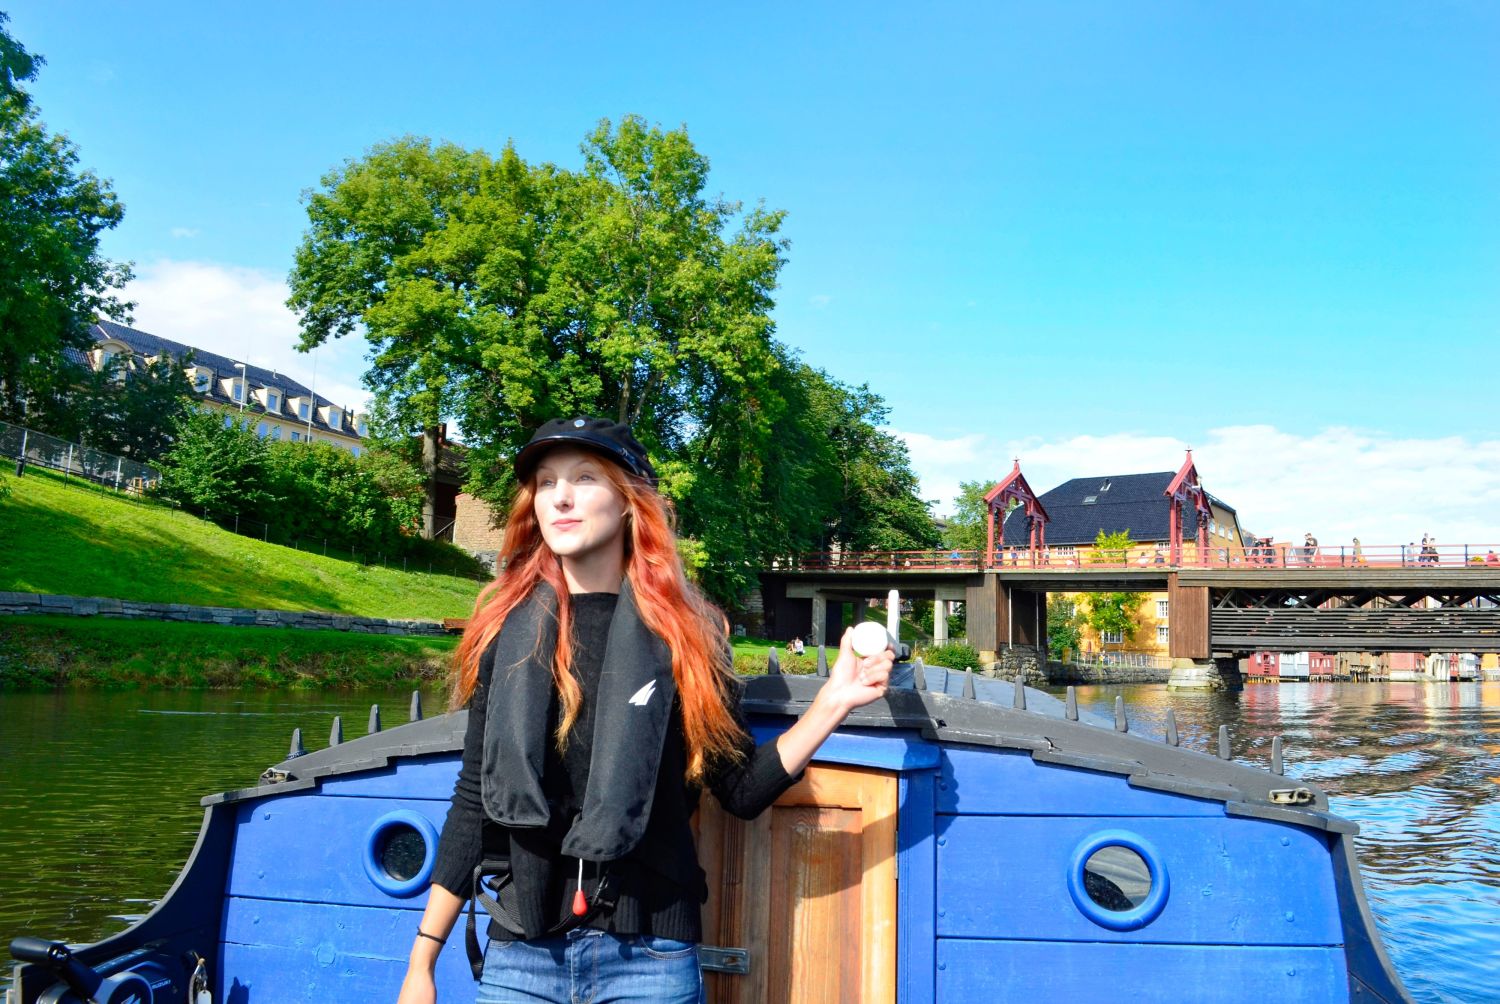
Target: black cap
{"points": [[599, 434]]}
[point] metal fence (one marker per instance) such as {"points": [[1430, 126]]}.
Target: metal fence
{"points": [[1133, 660], [72, 460]]}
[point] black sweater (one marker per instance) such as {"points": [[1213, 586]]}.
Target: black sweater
{"points": [[661, 888]]}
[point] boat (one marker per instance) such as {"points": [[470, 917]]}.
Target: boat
{"points": [[964, 838]]}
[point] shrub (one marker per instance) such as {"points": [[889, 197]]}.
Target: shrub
{"points": [[951, 656], [292, 492], [215, 467]]}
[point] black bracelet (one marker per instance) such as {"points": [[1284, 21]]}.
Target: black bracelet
{"points": [[431, 937]]}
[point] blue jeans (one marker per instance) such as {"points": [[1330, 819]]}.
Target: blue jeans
{"points": [[586, 966]]}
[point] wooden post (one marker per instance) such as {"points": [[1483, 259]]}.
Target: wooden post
{"points": [[1187, 612]]}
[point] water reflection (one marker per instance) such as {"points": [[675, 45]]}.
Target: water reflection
{"points": [[102, 791], [102, 796], [1417, 766]]}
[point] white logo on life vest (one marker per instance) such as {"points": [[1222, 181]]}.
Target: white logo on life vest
{"points": [[642, 697]]}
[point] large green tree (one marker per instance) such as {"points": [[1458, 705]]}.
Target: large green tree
{"points": [[391, 250], [498, 294], [53, 280]]}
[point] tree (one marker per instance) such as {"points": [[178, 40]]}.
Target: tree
{"points": [[151, 400], [968, 527], [216, 466], [1111, 548], [53, 280], [1113, 612], [498, 294], [1063, 624], [390, 248], [876, 506], [129, 407]]}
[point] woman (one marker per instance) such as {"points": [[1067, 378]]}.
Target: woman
{"points": [[601, 703]]}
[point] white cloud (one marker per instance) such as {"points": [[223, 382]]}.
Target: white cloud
{"points": [[242, 313], [820, 301], [184, 232], [1338, 483]]}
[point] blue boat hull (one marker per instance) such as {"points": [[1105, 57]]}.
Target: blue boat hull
{"points": [[292, 894]]}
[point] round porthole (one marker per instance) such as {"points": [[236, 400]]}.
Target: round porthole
{"points": [[399, 851], [1117, 880]]}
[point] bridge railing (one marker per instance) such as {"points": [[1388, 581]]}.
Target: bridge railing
{"points": [[1152, 556]]}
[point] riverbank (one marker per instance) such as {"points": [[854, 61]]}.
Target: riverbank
{"points": [[41, 653]]}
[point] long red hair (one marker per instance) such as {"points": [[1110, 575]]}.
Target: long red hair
{"points": [[673, 608]]}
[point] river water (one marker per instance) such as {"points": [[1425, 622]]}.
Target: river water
{"points": [[101, 796]]}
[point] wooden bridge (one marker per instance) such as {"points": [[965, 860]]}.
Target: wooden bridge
{"points": [[1221, 604]]}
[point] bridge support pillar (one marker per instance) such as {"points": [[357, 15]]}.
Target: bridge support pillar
{"points": [[1205, 674], [939, 622], [819, 618]]}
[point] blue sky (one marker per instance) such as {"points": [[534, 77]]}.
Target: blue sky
{"points": [[1088, 234]]}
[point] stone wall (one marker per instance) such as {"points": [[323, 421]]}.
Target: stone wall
{"points": [[1022, 661], [96, 606], [1063, 673]]}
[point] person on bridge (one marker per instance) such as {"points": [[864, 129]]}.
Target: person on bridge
{"points": [[1491, 558], [1359, 553], [601, 703]]}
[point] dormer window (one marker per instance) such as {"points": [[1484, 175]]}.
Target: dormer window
{"points": [[304, 408], [272, 399], [334, 415], [237, 390], [202, 379], [361, 426]]}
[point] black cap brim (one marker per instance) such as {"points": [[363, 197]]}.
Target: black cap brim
{"points": [[531, 454]]}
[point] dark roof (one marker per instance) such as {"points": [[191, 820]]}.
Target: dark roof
{"points": [[1134, 502], [144, 343]]}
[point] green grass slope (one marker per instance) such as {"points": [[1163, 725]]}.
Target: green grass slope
{"points": [[87, 541]]}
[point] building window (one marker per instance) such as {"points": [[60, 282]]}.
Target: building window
{"points": [[238, 392], [334, 415], [261, 430], [201, 382], [228, 421], [1163, 608], [1163, 634], [273, 401], [296, 436], [1112, 637], [354, 450], [363, 428], [276, 433], [302, 411], [1090, 499]]}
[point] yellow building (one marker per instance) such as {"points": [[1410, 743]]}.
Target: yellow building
{"points": [[271, 404], [1141, 505]]}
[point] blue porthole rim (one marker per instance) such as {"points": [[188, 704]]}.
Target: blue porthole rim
{"points": [[374, 837], [1119, 920]]}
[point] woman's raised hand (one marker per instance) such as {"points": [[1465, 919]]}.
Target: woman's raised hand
{"points": [[855, 680]]}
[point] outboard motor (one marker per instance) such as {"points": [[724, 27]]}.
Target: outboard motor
{"points": [[143, 977]]}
